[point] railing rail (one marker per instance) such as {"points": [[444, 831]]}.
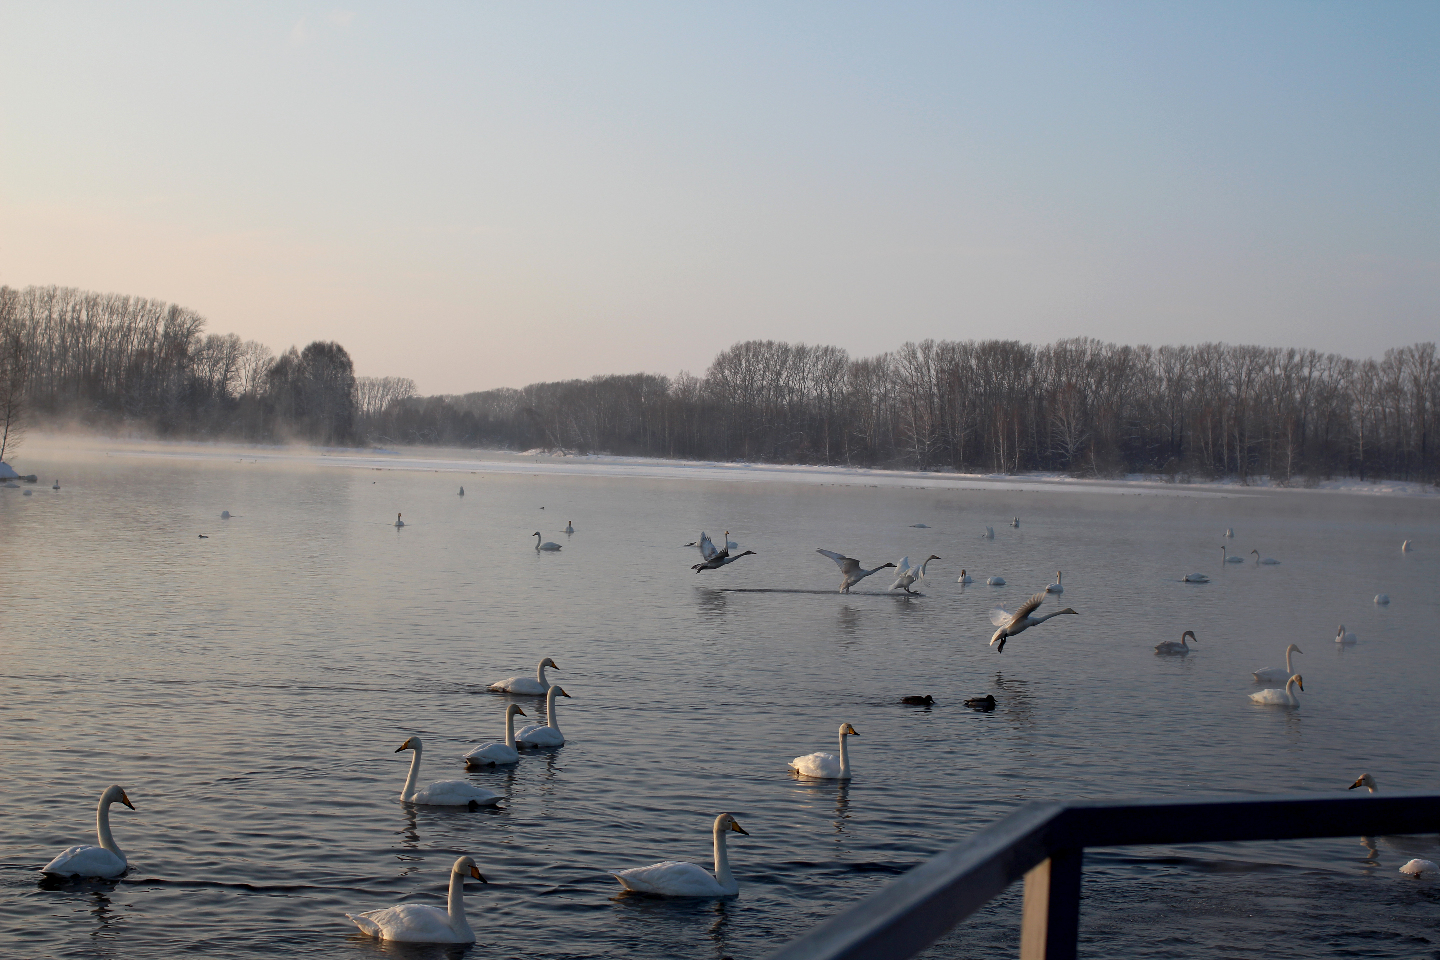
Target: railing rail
{"points": [[1045, 844]]}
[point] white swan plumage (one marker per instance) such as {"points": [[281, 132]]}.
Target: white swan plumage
{"points": [[905, 574], [1177, 648], [536, 686], [83, 860], [549, 545], [224, 514], [989, 533], [1418, 868], [1366, 781], [680, 878], [1381, 599], [964, 578], [1021, 620], [1268, 561], [1279, 674], [1059, 585], [995, 581], [1015, 522], [1281, 698], [1404, 547], [422, 923], [1226, 558], [1194, 578], [1230, 532], [545, 734], [441, 793], [1345, 636], [851, 572], [498, 754], [827, 766]]}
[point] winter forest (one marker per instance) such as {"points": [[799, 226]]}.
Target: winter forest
{"points": [[127, 365]]}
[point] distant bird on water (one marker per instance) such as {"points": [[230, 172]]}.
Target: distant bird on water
{"points": [[1058, 586], [57, 487], [1404, 547], [547, 545], [569, 526], [984, 704], [398, 522], [1015, 522], [964, 578], [925, 701], [1172, 648], [462, 491], [850, 569], [1021, 620], [1268, 561]]}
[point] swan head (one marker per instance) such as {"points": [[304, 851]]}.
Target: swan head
{"points": [[535, 534], [848, 731], [726, 822], [116, 794], [511, 711], [412, 744], [466, 868], [1295, 648], [1364, 780], [1256, 552], [1298, 680], [559, 691], [1077, 613], [933, 556], [1190, 634], [884, 565], [547, 662]]}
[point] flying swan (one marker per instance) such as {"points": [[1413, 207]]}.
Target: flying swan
{"points": [[678, 878], [1281, 698], [536, 686], [83, 860], [545, 734], [441, 793], [1173, 648], [422, 923], [715, 559], [547, 545], [851, 572], [827, 766], [905, 574], [1021, 620], [498, 754], [1278, 674]]}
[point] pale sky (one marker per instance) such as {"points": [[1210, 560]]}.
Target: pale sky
{"points": [[478, 195]]}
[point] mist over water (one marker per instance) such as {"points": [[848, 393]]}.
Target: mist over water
{"points": [[249, 690]]}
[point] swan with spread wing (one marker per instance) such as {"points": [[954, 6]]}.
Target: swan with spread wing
{"points": [[1021, 620], [850, 569]]}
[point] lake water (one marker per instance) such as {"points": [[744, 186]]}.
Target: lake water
{"points": [[249, 690]]}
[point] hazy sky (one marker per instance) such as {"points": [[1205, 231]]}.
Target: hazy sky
{"points": [[479, 195]]}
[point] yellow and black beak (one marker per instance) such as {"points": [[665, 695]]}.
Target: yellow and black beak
{"points": [[738, 829], [564, 694], [520, 713], [126, 800], [1360, 782], [402, 746], [475, 872], [851, 730]]}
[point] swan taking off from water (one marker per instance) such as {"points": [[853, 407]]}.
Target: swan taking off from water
{"points": [[1269, 562], [905, 574], [547, 545], [536, 686], [545, 734], [1015, 522], [1021, 620], [498, 754], [964, 578], [679, 878], [715, 559], [827, 766], [850, 569], [1418, 868], [1281, 698], [1345, 636], [1366, 781], [1279, 674], [422, 923], [83, 860], [1226, 558], [441, 793], [1058, 586], [1382, 599], [1174, 648]]}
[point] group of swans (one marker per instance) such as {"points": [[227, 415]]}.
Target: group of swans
{"points": [[851, 572], [713, 559], [906, 574], [1021, 620]]}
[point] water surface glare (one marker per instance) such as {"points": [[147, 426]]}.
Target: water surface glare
{"points": [[249, 690]]}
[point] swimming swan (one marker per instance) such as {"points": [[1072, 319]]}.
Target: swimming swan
{"points": [[1194, 578], [1020, 621], [1265, 560], [1404, 547], [1366, 781], [398, 522], [498, 754], [1345, 636], [83, 860], [964, 578], [1381, 599], [545, 734], [1418, 868], [1015, 522], [422, 923], [1226, 558], [1177, 649], [996, 581], [678, 878], [1230, 532], [827, 766], [1058, 586], [547, 545], [536, 686], [989, 534], [905, 574], [1279, 674], [851, 572], [1281, 698], [441, 793]]}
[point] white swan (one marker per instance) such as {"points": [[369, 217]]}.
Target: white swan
{"points": [[1059, 585], [536, 686], [569, 526], [1279, 674], [1345, 636], [1281, 698], [1021, 620], [1404, 547], [1366, 781], [989, 534], [1230, 532], [678, 878], [545, 734], [996, 581], [1194, 578], [1265, 560], [1226, 558], [83, 860], [547, 545], [1418, 868], [1381, 599], [827, 766], [441, 793], [422, 923], [850, 570], [498, 754], [1173, 648], [224, 514], [1015, 522], [905, 574], [964, 578], [398, 522]]}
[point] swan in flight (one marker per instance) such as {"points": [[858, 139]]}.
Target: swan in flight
{"points": [[569, 526], [106, 860], [678, 878], [1345, 636], [1058, 586], [707, 548], [441, 793], [984, 704], [1194, 578], [1418, 868], [547, 545], [1226, 558], [827, 766], [398, 522], [1279, 674], [1015, 522], [996, 581], [715, 559], [536, 686], [989, 534], [964, 578], [420, 922], [850, 569], [1172, 648], [498, 754], [905, 574], [1366, 781], [1269, 562], [1281, 698], [1021, 620], [925, 701], [1382, 599], [545, 734]]}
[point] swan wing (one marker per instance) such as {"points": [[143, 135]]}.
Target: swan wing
{"points": [[670, 878], [454, 793], [825, 765], [85, 860], [1000, 616], [903, 567], [707, 547], [539, 735], [411, 923], [840, 559], [1270, 696], [1272, 673], [488, 753], [1029, 606]]}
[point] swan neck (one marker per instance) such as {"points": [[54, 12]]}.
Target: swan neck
{"points": [[510, 729], [456, 905], [414, 775], [540, 675], [1290, 692], [722, 860], [551, 720], [1288, 670], [844, 758], [102, 828]]}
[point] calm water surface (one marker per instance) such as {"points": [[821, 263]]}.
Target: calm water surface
{"points": [[250, 689]]}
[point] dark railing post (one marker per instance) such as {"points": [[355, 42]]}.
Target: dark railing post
{"points": [[1050, 923]]}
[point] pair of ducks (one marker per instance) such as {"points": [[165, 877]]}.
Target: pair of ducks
{"points": [[984, 704]]}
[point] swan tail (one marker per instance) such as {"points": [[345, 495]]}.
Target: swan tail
{"points": [[366, 925]]}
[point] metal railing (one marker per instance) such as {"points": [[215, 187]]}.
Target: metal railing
{"points": [[1045, 843]]}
